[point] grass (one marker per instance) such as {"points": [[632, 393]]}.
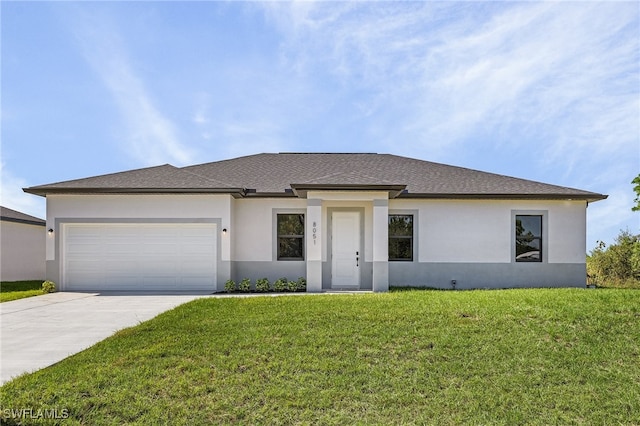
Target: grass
{"points": [[14, 290], [620, 283], [561, 356]]}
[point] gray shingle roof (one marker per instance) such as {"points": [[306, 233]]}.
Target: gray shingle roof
{"points": [[10, 215], [281, 174], [165, 178]]}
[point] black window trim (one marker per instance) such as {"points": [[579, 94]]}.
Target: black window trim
{"points": [[278, 237], [407, 237], [543, 238]]}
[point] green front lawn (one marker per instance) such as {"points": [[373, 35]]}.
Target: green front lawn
{"points": [[565, 356], [13, 290]]}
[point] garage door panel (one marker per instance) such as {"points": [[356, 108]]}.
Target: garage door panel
{"points": [[122, 249], [84, 232], [84, 248], [160, 281], [121, 266], [171, 257], [198, 230], [84, 265], [187, 281], [163, 248], [198, 249]]}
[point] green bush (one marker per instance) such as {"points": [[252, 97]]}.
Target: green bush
{"points": [[230, 286], [617, 263], [280, 285], [292, 285], [262, 285], [244, 285], [301, 284], [48, 287]]}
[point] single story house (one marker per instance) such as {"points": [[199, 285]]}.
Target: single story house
{"points": [[22, 246], [342, 221]]}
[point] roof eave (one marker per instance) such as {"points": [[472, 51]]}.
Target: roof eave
{"points": [[235, 192], [23, 221], [592, 197]]}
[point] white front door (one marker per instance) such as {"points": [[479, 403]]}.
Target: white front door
{"points": [[346, 252]]}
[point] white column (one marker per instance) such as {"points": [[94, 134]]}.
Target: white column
{"points": [[314, 239], [381, 245]]}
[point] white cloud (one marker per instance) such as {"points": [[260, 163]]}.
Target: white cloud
{"points": [[201, 113], [152, 138], [553, 83], [607, 218], [12, 196], [436, 74]]}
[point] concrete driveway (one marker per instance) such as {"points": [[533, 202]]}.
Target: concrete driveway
{"points": [[40, 331]]}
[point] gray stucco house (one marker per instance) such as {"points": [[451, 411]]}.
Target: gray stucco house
{"points": [[343, 221]]}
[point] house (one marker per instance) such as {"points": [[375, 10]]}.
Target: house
{"points": [[343, 221], [22, 246]]}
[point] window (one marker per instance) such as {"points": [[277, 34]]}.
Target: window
{"points": [[528, 238], [290, 236], [401, 237]]}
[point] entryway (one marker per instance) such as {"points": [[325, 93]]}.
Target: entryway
{"points": [[346, 251]]}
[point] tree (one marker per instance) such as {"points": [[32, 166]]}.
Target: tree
{"points": [[636, 188], [617, 263]]}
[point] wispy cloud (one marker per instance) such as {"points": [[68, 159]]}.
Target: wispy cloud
{"points": [[444, 73], [12, 196], [152, 138], [554, 86]]}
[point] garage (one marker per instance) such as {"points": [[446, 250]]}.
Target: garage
{"points": [[139, 257]]}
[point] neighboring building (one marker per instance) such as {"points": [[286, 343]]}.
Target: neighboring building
{"points": [[22, 246], [343, 221]]}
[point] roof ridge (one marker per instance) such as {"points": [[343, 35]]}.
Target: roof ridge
{"points": [[328, 153]]}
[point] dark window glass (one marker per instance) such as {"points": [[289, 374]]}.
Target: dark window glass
{"points": [[290, 237], [401, 237], [528, 238]]}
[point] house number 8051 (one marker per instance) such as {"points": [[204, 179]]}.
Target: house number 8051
{"points": [[314, 233]]}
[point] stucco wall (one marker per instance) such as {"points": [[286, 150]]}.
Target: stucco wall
{"points": [[480, 231], [466, 240], [22, 251], [188, 207], [253, 234], [254, 237], [471, 241]]}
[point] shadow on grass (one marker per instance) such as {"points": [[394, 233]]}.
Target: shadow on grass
{"points": [[407, 288]]}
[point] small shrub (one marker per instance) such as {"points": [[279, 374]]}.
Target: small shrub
{"points": [[280, 285], [301, 284], [244, 285], [48, 287], [230, 286], [292, 285], [262, 285]]}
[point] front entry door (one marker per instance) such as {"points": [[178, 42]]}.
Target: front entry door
{"points": [[346, 252]]}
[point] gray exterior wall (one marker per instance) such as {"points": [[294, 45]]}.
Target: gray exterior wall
{"points": [[486, 275], [432, 275], [292, 270]]}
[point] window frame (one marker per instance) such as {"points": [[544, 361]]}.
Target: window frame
{"points": [[277, 236], [411, 238], [542, 238]]}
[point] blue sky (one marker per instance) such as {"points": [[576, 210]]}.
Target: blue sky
{"points": [[542, 91]]}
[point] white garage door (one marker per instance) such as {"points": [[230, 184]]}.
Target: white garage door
{"points": [[139, 256]]}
